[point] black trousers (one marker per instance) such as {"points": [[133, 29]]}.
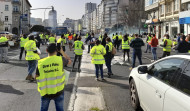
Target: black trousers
{"points": [[89, 47], [165, 54], [79, 57], [21, 52], [59, 54]]}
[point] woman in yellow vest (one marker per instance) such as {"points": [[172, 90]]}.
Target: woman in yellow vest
{"points": [[97, 53], [32, 56], [50, 78], [78, 49], [167, 46], [125, 47]]}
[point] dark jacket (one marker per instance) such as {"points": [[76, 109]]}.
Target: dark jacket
{"points": [[137, 43], [104, 41], [108, 54], [183, 47]]}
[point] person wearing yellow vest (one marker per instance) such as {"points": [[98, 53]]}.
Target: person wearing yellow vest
{"points": [[3, 49], [109, 56], [78, 49], [97, 53], [32, 56], [23, 41], [61, 44], [52, 39], [100, 37], [148, 40], [167, 46], [125, 47], [47, 37], [42, 37], [50, 77]]}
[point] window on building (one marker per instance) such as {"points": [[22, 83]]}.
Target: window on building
{"points": [[15, 8], [168, 8], [6, 7], [6, 18], [188, 6], [162, 9], [176, 5], [6, 29]]}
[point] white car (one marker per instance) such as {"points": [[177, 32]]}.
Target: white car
{"points": [[162, 86]]}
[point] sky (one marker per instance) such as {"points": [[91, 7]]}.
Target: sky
{"points": [[73, 9]]}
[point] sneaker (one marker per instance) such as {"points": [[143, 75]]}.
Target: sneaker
{"points": [[97, 79], [79, 70], [130, 68], [27, 78], [103, 79]]}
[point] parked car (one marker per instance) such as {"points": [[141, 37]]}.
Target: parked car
{"points": [[162, 86]]}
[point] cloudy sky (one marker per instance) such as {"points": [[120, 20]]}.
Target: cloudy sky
{"points": [[73, 9]]}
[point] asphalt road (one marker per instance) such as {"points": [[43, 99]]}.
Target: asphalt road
{"points": [[17, 94]]}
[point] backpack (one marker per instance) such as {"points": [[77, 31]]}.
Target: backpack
{"points": [[113, 52]]}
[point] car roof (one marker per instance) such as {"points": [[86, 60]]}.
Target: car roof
{"points": [[184, 56]]}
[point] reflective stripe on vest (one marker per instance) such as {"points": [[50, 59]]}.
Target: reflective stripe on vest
{"points": [[110, 45], [168, 47], [52, 77], [125, 44]]}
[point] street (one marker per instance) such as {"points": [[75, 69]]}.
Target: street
{"points": [[20, 95]]}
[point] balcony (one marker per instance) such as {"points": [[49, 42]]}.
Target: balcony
{"points": [[16, 2], [16, 12]]}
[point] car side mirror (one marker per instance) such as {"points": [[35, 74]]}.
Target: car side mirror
{"points": [[143, 70]]}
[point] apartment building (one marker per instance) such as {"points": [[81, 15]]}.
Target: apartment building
{"points": [[184, 16], [15, 16], [5, 15]]}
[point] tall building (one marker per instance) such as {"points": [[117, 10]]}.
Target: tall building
{"points": [[35, 21], [69, 23], [184, 17], [90, 7], [52, 18]]}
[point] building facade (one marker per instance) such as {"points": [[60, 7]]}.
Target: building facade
{"points": [[52, 18], [15, 16], [184, 16], [35, 21], [69, 23]]}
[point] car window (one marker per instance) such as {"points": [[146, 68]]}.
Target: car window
{"points": [[184, 82], [166, 69]]}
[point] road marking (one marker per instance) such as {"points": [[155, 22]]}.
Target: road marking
{"points": [[89, 97]]}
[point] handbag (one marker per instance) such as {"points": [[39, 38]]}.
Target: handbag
{"points": [[113, 50]]}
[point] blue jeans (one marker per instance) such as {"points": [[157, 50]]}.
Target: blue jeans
{"points": [[138, 53], [59, 102], [148, 48], [99, 67], [154, 53], [31, 66], [108, 64]]}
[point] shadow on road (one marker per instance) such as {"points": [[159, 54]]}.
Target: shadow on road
{"points": [[9, 89]]}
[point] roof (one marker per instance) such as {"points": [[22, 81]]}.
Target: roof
{"points": [[28, 3]]}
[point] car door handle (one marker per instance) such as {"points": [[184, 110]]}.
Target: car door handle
{"points": [[158, 94]]}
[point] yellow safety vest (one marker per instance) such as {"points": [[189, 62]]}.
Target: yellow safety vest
{"points": [[78, 47], [30, 47], [47, 36], [3, 40], [110, 45], [52, 77], [120, 37], [52, 40], [149, 39], [86, 36], [97, 53], [169, 45], [67, 35], [61, 41], [125, 44], [100, 37], [23, 41]]}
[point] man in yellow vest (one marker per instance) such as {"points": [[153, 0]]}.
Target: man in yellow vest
{"points": [[167, 46], [42, 36], [108, 56], [23, 41], [32, 56], [50, 78], [61, 44], [78, 49], [52, 39], [148, 40], [3, 49]]}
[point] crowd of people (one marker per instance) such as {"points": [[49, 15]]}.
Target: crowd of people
{"points": [[50, 70]]}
